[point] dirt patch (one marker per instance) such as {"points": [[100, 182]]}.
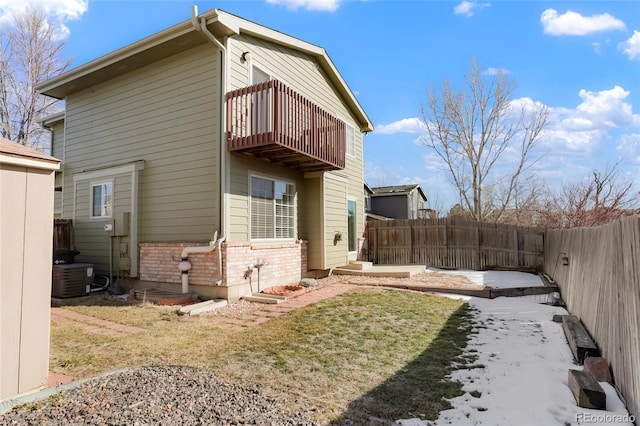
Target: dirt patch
{"points": [[91, 324], [427, 279]]}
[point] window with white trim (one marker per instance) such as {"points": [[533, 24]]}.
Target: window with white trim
{"points": [[351, 140], [102, 199], [272, 208]]}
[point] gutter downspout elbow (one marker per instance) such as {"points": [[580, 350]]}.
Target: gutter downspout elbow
{"points": [[185, 265]]}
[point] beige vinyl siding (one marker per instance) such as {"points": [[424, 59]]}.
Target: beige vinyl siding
{"points": [[311, 222], [57, 196], [90, 237], [301, 72], [335, 220], [297, 69], [57, 151], [57, 140], [168, 115], [239, 202]]}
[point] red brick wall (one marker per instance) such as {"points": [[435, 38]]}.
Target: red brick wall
{"points": [[159, 262], [284, 263]]}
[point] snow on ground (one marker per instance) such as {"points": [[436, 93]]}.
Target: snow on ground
{"points": [[526, 360], [495, 279]]}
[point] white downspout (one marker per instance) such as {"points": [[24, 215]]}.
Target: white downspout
{"points": [[185, 265], [200, 24]]}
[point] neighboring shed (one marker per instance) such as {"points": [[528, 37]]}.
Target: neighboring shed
{"points": [[398, 202], [26, 226]]}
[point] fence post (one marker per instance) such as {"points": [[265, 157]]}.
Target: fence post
{"points": [[411, 243], [478, 257], [515, 247]]}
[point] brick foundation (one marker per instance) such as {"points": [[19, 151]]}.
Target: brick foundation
{"points": [[284, 263], [159, 262]]}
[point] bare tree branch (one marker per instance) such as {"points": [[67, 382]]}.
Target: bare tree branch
{"points": [[589, 203], [31, 51], [470, 130]]}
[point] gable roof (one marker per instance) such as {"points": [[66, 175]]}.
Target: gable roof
{"points": [[385, 191], [184, 36]]}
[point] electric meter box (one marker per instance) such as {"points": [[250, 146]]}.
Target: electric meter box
{"points": [[121, 225]]}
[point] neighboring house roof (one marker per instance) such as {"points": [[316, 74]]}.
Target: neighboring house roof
{"points": [[385, 191], [367, 188], [14, 153], [184, 36], [373, 216]]}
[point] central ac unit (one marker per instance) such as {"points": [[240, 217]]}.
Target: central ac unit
{"points": [[72, 280]]}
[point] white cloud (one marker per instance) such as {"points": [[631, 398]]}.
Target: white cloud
{"points": [[607, 108], [468, 8], [597, 46], [57, 10], [406, 125], [588, 125], [631, 47], [312, 5], [583, 141], [629, 147], [572, 23]]}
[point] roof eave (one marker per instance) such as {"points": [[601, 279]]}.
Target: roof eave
{"points": [[58, 87]]}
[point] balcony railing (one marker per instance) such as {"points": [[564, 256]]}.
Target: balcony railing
{"points": [[272, 121]]}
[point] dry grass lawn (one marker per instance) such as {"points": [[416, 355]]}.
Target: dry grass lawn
{"points": [[367, 353]]}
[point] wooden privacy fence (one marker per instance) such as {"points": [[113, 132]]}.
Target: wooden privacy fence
{"points": [[454, 243], [601, 285], [62, 234]]}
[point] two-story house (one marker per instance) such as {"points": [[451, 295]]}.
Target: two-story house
{"points": [[216, 124]]}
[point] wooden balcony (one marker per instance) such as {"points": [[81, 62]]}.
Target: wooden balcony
{"points": [[270, 120]]}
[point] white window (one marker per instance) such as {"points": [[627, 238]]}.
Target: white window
{"points": [[102, 199], [272, 208], [351, 141]]}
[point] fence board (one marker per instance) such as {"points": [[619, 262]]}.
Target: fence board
{"points": [[453, 243], [62, 234], [601, 285]]}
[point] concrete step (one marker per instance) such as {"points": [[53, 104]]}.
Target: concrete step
{"points": [[271, 299], [202, 307], [358, 265]]}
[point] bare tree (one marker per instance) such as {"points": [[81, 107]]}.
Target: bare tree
{"points": [[592, 202], [471, 130], [31, 51]]}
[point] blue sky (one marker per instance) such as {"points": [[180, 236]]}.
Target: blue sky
{"points": [[579, 58]]}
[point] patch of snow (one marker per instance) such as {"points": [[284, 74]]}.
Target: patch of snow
{"points": [[495, 279], [521, 378]]}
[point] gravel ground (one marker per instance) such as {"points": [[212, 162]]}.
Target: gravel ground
{"points": [[159, 395]]}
